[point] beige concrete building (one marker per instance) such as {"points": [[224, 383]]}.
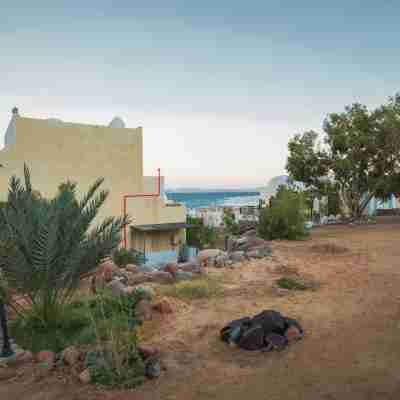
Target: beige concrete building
{"points": [[57, 151]]}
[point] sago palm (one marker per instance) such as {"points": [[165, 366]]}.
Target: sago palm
{"points": [[48, 244]]}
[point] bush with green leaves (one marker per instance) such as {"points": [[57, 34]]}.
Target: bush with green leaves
{"points": [[285, 218], [122, 257], [52, 243], [199, 235]]}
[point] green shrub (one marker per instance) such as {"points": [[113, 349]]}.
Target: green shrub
{"points": [[122, 257], [284, 219], [291, 284], [51, 247], [199, 235]]}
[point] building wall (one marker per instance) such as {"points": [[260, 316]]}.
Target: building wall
{"points": [[56, 152]]}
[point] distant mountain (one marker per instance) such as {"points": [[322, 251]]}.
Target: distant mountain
{"points": [[273, 184]]}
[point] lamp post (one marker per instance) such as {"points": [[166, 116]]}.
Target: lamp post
{"points": [[7, 350]]}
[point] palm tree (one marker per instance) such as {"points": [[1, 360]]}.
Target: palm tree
{"points": [[49, 244]]}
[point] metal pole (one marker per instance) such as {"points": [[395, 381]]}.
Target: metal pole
{"points": [[7, 350]]}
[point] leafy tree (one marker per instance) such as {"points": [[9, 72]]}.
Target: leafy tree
{"points": [[230, 224], [285, 218], [50, 245], [199, 235], [359, 156]]}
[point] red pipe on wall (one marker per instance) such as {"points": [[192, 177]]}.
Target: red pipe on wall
{"points": [[131, 196]]}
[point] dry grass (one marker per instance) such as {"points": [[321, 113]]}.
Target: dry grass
{"points": [[206, 287], [331, 248]]}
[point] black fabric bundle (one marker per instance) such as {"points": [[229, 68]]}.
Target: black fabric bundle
{"points": [[265, 331]]}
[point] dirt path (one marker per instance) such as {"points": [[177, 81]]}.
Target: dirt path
{"points": [[351, 350]]}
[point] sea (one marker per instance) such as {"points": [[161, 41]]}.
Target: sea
{"points": [[194, 200]]}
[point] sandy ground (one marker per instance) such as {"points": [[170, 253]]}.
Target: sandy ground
{"points": [[351, 349]]}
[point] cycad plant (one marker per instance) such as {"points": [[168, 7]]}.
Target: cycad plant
{"points": [[49, 244]]}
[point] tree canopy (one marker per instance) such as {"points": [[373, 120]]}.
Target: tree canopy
{"points": [[358, 155]]}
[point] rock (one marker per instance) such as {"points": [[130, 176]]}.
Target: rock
{"points": [[117, 287], [293, 334], [7, 373], [206, 255], [140, 277], [85, 377], [71, 356], [230, 244], [238, 256], [282, 292], [254, 254], [147, 352], [144, 310], [24, 357], [46, 358], [98, 358], [250, 233], [147, 268], [221, 261], [172, 268], [184, 275], [108, 270], [190, 266], [252, 242], [163, 306], [132, 268], [147, 291], [162, 277], [153, 369]]}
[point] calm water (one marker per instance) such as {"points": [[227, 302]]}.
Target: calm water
{"points": [[209, 199]]}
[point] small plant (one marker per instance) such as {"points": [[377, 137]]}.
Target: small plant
{"points": [[196, 289], [116, 363], [291, 284], [122, 257]]}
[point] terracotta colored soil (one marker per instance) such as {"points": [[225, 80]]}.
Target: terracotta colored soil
{"points": [[352, 322]]}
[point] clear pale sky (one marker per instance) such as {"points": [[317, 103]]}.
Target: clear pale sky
{"points": [[219, 86]]}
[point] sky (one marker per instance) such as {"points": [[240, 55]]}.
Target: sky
{"points": [[218, 86]]}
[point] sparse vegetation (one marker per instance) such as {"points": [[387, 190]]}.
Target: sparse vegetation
{"points": [[291, 284], [122, 257], [196, 289]]}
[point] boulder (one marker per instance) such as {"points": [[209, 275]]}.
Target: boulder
{"points": [[221, 261], [163, 306], [254, 254], [184, 275], [205, 255], [162, 277], [252, 242], [238, 256], [147, 268], [172, 268], [71, 356], [85, 377], [147, 352], [149, 292], [117, 287], [144, 310], [47, 358], [108, 270], [153, 369], [24, 357], [250, 233], [190, 266], [141, 277], [132, 268]]}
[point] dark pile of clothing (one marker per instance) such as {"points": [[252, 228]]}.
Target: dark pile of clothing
{"points": [[266, 331]]}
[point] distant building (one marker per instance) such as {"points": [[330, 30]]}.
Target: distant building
{"points": [[57, 151]]}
